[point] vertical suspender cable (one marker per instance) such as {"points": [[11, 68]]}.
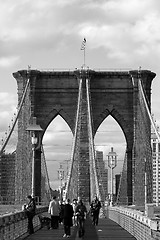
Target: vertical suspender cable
{"points": [[46, 171]]}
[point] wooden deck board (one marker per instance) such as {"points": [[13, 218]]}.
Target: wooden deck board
{"points": [[106, 230]]}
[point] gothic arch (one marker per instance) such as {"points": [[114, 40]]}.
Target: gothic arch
{"points": [[53, 114], [119, 118]]}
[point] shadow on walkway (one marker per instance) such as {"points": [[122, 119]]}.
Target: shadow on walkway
{"points": [[90, 230], [106, 230]]}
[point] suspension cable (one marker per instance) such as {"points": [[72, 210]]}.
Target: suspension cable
{"points": [[74, 140], [46, 171], [149, 114], [91, 137], [19, 110]]}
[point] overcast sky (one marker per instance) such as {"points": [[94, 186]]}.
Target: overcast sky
{"points": [[47, 34]]}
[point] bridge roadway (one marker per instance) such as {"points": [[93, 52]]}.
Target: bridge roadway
{"points": [[106, 230]]}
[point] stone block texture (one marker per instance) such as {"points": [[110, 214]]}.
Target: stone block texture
{"points": [[54, 93]]}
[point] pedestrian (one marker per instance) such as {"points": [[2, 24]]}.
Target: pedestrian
{"points": [[61, 213], [67, 221], [54, 210], [74, 205], [81, 212], [81, 208], [95, 208], [30, 210]]}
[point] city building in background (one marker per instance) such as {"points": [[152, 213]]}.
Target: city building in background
{"points": [[7, 178], [156, 167], [102, 175]]}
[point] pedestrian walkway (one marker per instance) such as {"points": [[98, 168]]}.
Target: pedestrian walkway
{"points": [[106, 230]]}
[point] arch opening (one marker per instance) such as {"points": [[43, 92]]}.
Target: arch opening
{"points": [[110, 135], [57, 143]]}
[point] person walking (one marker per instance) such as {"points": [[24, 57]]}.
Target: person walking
{"points": [[95, 208], [74, 205], [67, 221], [81, 212], [54, 210], [30, 210], [61, 212]]}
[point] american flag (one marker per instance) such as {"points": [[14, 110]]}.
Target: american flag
{"points": [[83, 44]]}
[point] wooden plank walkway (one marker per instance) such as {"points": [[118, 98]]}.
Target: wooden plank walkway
{"points": [[106, 230]]}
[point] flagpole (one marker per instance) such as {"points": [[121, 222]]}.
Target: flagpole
{"points": [[84, 57], [84, 53]]}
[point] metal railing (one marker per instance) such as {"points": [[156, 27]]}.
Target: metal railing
{"points": [[136, 223], [14, 225]]}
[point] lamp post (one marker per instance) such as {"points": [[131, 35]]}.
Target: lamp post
{"points": [[61, 177], [34, 129], [112, 163]]}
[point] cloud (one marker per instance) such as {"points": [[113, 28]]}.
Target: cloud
{"points": [[126, 10], [133, 34], [117, 28], [7, 100], [57, 140], [119, 33], [7, 110], [9, 61]]}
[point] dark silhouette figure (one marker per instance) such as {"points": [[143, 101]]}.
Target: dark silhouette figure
{"points": [[68, 214], [95, 208], [30, 211], [81, 212], [61, 212]]}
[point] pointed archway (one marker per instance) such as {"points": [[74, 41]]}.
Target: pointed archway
{"points": [[108, 135], [57, 143]]}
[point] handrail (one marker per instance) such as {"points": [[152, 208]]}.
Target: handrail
{"points": [[15, 225], [135, 222]]}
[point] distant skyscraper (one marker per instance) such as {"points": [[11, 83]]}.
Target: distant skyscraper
{"points": [[7, 178], [102, 174], [156, 168]]}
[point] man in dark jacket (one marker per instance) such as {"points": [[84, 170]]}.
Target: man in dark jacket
{"points": [[81, 212], [30, 210], [67, 220], [95, 208]]}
